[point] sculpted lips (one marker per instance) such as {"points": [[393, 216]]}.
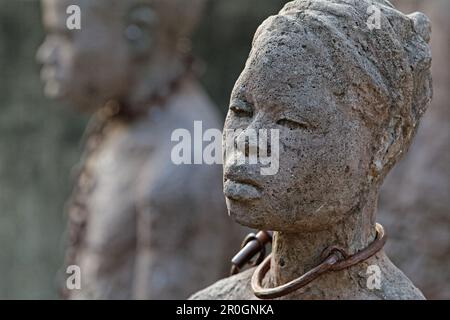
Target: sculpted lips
{"points": [[239, 189]]}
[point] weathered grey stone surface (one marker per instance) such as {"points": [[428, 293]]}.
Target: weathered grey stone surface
{"points": [[347, 102], [139, 226], [414, 200]]}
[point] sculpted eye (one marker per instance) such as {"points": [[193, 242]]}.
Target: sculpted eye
{"points": [[241, 109], [293, 125]]}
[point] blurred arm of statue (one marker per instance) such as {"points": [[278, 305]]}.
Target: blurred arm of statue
{"points": [[346, 102], [140, 227]]}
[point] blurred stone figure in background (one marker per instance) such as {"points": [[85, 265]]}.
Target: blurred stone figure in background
{"points": [[414, 202], [347, 102], [139, 226]]}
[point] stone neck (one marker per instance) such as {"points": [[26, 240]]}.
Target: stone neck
{"points": [[293, 254]]}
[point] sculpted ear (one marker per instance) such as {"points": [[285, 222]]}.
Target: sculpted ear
{"points": [[140, 26]]}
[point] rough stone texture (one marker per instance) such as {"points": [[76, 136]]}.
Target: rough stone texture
{"points": [[139, 226], [414, 201], [347, 102]]}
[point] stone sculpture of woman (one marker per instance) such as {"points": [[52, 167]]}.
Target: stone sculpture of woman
{"points": [[346, 100]]}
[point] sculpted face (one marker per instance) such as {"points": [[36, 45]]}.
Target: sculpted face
{"points": [[86, 67], [324, 150]]}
